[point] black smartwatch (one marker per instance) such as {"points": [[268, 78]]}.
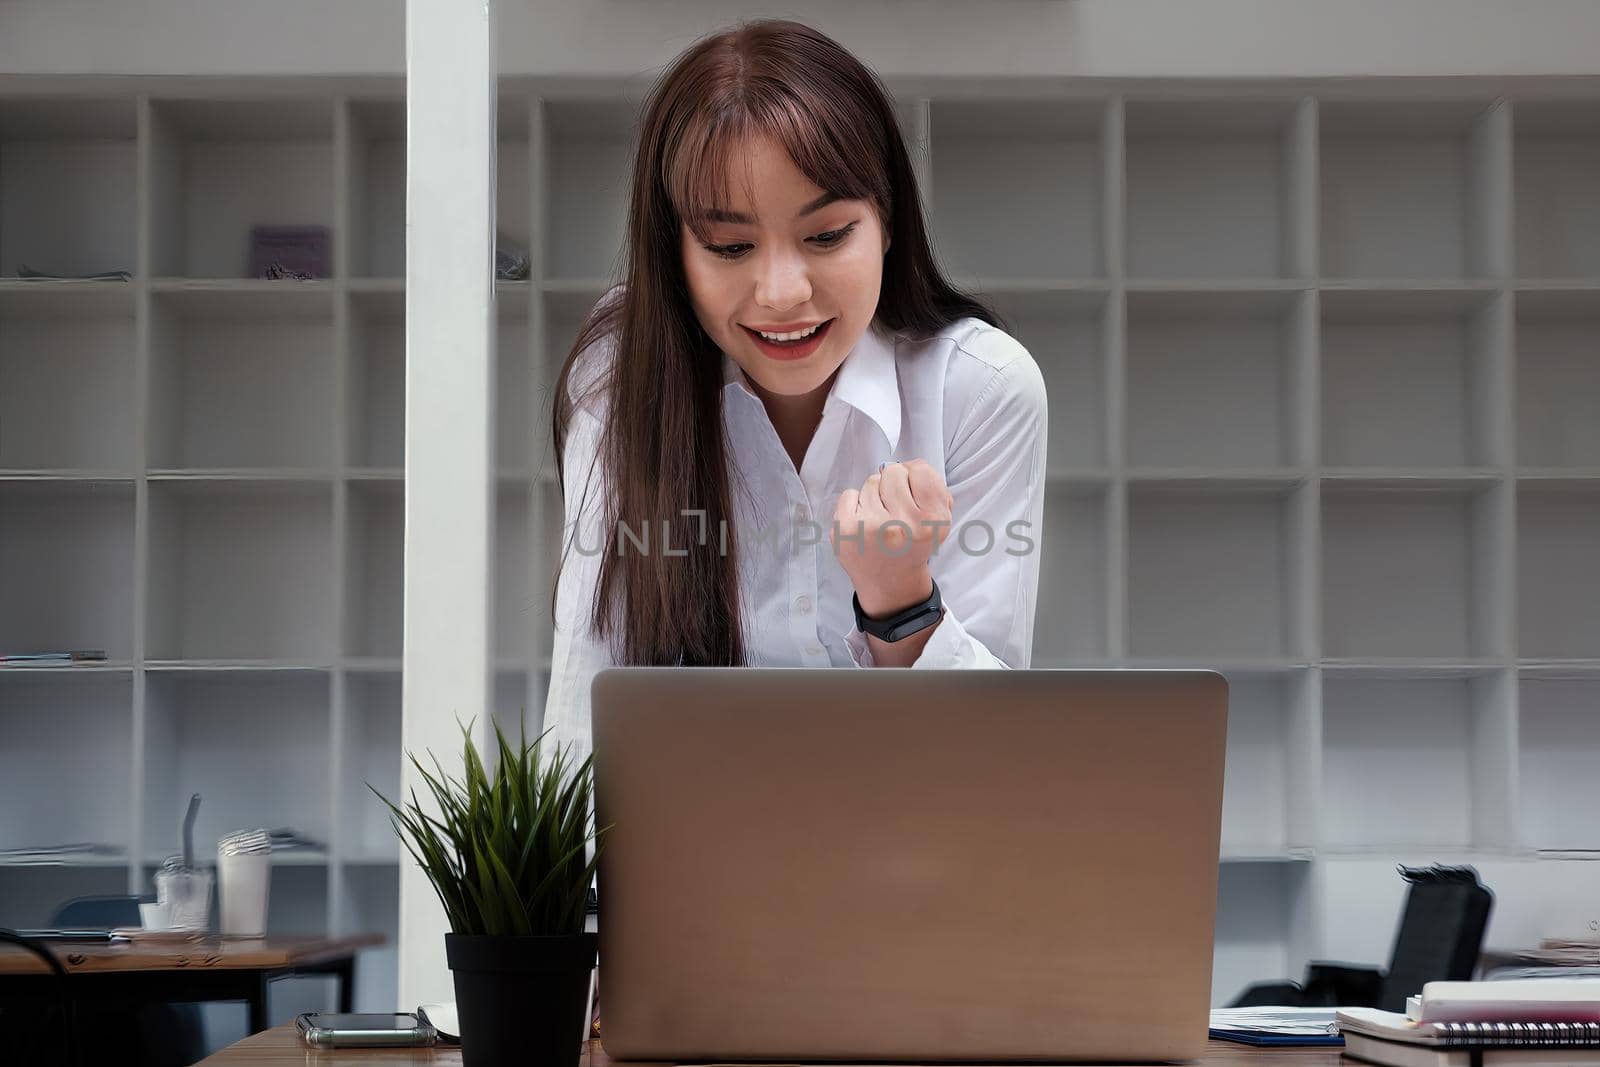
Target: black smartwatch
{"points": [[901, 624]]}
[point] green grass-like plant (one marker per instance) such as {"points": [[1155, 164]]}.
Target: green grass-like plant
{"points": [[506, 851]]}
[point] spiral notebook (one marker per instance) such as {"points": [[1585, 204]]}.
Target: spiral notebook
{"points": [[1406, 1054], [1393, 1040]]}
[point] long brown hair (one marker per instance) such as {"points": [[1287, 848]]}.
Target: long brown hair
{"points": [[662, 438]]}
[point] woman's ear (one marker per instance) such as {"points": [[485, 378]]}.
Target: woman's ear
{"points": [[886, 242]]}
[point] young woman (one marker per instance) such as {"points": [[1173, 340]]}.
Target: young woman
{"points": [[786, 439]]}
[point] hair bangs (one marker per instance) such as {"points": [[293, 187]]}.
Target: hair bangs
{"points": [[701, 165], [699, 168]]}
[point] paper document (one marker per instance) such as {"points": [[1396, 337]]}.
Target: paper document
{"points": [[1295, 1022]]}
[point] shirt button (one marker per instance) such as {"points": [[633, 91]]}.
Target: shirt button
{"points": [[801, 513], [803, 604], [814, 650]]}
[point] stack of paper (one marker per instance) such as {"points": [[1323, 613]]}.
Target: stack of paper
{"points": [[1276, 1026]]}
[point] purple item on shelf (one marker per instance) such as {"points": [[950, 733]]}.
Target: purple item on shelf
{"points": [[289, 252]]}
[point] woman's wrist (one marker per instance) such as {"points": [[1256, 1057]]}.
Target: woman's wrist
{"points": [[881, 601]]}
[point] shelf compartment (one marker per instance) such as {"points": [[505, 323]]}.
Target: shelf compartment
{"points": [[375, 570], [1066, 335], [1413, 573], [1018, 187], [242, 379], [1557, 168], [372, 755], [67, 379], [1211, 188], [1213, 379], [514, 386], [513, 215], [1410, 189], [369, 902], [1420, 760], [1558, 379], [1558, 586], [68, 185], [1559, 746], [511, 589], [1259, 906], [297, 905], [1414, 379], [518, 708], [220, 167], [1212, 572], [589, 149], [377, 188], [64, 743], [1270, 720], [240, 572], [376, 415], [1071, 620], [564, 314], [66, 567], [254, 746]]}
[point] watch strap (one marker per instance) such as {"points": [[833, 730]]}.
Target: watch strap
{"points": [[904, 623]]}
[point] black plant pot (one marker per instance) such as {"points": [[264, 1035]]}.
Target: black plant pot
{"points": [[520, 1000]]}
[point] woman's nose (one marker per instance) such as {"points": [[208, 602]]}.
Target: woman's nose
{"points": [[782, 282]]}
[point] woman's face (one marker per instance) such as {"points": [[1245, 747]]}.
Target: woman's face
{"points": [[782, 264]]}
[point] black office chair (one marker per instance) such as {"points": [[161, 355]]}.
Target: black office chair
{"points": [[169, 1035], [1441, 933]]}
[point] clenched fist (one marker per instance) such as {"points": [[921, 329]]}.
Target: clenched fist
{"points": [[884, 533]]}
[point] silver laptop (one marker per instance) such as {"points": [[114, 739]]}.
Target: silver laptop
{"points": [[907, 865]]}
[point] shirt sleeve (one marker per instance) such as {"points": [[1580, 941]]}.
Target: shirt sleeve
{"points": [[988, 568], [577, 652]]}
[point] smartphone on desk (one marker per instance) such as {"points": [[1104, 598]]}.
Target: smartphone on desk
{"points": [[323, 1029]]}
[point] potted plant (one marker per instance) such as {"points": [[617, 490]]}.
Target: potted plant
{"points": [[506, 854]]}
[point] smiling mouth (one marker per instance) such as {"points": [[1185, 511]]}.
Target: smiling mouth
{"points": [[789, 349]]}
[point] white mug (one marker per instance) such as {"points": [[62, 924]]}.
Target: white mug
{"points": [[242, 881]]}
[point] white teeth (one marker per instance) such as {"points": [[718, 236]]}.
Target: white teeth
{"points": [[790, 336]]}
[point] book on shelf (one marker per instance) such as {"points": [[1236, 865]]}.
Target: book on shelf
{"points": [[56, 855], [51, 658]]}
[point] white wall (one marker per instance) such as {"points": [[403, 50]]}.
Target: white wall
{"points": [[1100, 38]]}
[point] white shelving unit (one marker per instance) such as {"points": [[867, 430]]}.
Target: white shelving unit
{"points": [[1324, 367]]}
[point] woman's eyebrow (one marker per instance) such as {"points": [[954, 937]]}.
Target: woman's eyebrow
{"points": [[738, 218]]}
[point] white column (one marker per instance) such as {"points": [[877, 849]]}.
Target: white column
{"points": [[450, 109]]}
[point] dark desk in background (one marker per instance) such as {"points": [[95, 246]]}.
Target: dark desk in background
{"points": [[190, 970], [283, 1045]]}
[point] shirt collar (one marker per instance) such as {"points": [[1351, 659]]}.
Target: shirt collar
{"points": [[867, 380]]}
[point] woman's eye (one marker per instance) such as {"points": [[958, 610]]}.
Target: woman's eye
{"points": [[827, 240], [835, 236]]}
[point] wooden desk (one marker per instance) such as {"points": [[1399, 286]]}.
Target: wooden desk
{"points": [[197, 969], [283, 1045]]}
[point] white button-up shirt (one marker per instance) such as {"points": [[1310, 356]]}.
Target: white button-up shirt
{"points": [[970, 401]]}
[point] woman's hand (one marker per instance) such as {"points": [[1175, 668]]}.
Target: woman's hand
{"points": [[884, 533]]}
